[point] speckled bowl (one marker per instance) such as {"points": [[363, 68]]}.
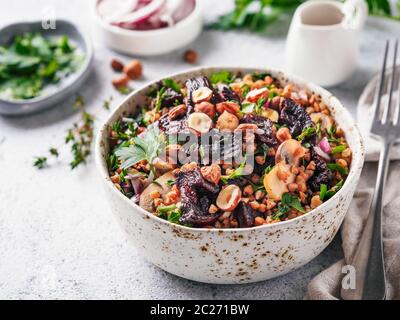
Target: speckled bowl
{"points": [[228, 256]]}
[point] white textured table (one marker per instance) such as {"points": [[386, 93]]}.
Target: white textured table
{"points": [[57, 237]]}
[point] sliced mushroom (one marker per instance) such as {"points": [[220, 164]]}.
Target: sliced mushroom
{"points": [[162, 166], [274, 183], [290, 152], [271, 114], [326, 121], [161, 185]]}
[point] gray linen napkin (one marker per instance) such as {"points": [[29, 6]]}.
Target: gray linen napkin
{"points": [[327, 284]]}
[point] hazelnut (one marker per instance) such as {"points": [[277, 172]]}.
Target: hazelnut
{"points": [[155, 194], [283, 134], [202, 94], [213, 209], [177, 111], [315, 201], [205, 107], [227, 121], [255, 95], [258, 221], [211, 173], [117, 65], [228, 198], [254, 205], [231, 107], [248, 190], [260, 160], [120, 82], [190, 56], [200, 122], [133, 69]]}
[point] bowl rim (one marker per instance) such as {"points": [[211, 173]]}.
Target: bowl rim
{"points": [[156, 32], [355, 170], [77, 76]]}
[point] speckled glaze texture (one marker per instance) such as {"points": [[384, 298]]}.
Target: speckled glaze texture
{"points": [[229, 256]]}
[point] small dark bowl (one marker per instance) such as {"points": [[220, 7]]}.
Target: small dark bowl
{"points": [[68, 85]]}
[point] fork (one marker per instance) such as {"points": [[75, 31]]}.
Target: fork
{"points": [[368, 260]]}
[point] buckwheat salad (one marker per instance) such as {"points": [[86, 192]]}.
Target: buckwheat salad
{"points": [[228, 151]]}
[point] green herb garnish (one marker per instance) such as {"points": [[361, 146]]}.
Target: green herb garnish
{"points": [[237, 173], [174, 216], [146, 148], [336, 167], [327, 194], [248, 107], [40, 162], [323, 189], [31, 63], [245, 89], [223, 76], [306, 133], [170, 83], [338, 149], [292, 201]]}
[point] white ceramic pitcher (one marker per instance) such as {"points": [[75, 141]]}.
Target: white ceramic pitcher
{"points": [[322, 44]]}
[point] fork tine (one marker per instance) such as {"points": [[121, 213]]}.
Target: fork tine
{"points": [[388, 107], [381, 84]]}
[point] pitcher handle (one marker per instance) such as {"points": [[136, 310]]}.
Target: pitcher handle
{"points": [[356, 13]]}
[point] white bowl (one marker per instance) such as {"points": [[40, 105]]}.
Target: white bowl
{"points": [[151, 42], [233, 255]]}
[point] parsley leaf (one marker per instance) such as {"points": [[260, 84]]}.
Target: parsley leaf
{"points": [[223, 76], [146, 148], [338, 149], [336, 167], [292, 201], [237, 173], [306, 133], [170, 83]]}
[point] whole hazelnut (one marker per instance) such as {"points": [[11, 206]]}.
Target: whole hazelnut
{"points": [[190, 56], [117, 65], [227, 121], [120, 82], [133, 69]]}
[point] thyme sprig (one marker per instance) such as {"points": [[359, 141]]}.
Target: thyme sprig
{"points": [[79, 137]]}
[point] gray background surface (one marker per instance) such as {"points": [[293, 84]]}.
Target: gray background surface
{"points": [[57, 236]]}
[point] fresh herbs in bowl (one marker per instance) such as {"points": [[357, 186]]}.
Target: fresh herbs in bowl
{"points": [[31, 63]]}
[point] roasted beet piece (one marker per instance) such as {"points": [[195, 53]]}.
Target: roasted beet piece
{"points": [[172, 127], [294, 117], [322, 174], [268, 136], [245, 215], [193, 84], [227, 94], [218, 145], [171, 98], [196, 196]]}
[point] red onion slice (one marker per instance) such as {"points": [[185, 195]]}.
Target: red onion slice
{"points": [[321, 153], [143, 14], [111, 10], [325, 146]]}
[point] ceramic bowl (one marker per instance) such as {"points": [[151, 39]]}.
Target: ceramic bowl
{"points": [[67, 86], [228, 256], [150, 42]]}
